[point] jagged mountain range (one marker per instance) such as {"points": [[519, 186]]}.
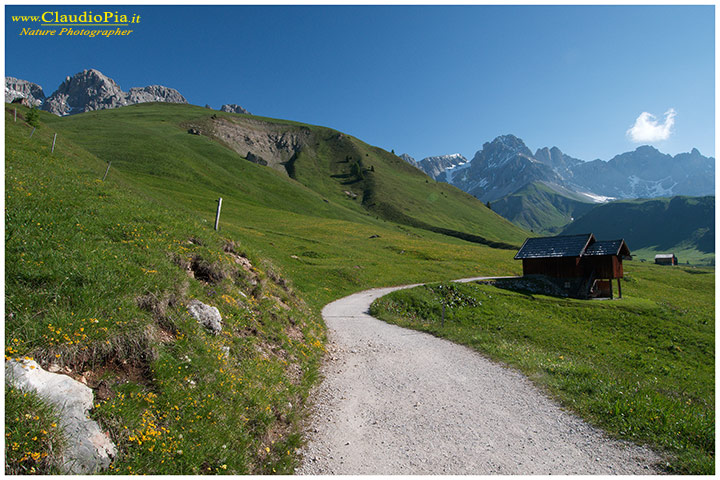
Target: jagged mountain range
{"points": [[506, 165], [547, 190], [17, 89], [92, 90]]}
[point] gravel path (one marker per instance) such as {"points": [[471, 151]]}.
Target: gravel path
{"points": [[397, 401]]}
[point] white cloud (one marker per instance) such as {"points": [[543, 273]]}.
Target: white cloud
{"points": [[647, 128]]}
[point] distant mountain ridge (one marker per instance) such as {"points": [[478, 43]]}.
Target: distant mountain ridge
{"points": [[546, 190], [506, 165], [16, 88], [92, 90], [647, 173], [438, 164]]}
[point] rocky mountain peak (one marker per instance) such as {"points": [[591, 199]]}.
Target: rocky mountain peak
{"points": [[647, 150], [234, 108], [554, 157], [85, 91], [154, 93], [510, 143], [16, 88], [502, 167], [92, 81], [501, 150], [92, 90]]}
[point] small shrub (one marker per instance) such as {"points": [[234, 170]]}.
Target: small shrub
{"points": [[33, 117]]}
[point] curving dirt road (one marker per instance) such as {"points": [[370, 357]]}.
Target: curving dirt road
{"points": [[396, 401]]}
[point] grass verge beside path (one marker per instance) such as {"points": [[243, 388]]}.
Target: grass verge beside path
{"points": [[98, 279], [641, 368]]}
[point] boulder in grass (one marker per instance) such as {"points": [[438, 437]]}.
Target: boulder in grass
{"points": [[207, 316], [88, 449]]}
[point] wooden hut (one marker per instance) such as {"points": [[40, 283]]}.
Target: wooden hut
{"points": [[581, 262], [666, 259]]}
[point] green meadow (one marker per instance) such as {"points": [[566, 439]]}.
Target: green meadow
{"points": [[309, 216], [99, 274]]}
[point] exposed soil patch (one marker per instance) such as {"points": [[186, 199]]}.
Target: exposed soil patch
{"points": [[261, 142]]}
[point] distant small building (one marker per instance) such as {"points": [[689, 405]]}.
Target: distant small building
{"points": [[580, 264], [666, 259]]}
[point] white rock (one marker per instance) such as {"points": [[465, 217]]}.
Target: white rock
{"points": [[88, 449], [233, 108], [209, 317]]}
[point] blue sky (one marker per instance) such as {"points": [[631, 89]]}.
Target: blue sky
{"points": [[426, 80]]}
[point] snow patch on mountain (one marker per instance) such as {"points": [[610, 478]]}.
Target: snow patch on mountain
{"points": [[435, 166], [597, 198], [450, 172]]}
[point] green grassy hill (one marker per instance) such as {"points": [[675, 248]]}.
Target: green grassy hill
{"points": [[99, 275], [681, 225], [541, 209], [342, 171]]}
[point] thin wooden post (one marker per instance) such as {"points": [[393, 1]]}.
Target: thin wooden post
{"points": [[619, 289], [107, 170], [31, 133], [15, 114], [217, 215], [53, 146]]}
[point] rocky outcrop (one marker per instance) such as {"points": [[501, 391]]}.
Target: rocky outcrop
{"points": [[83, 92], [88, 449], [234, 108], [260, 142], [91, 90], [16, 88], [207, 316], [154, 93]]}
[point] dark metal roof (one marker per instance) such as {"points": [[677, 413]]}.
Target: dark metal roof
{"points": [[562, 246], [571, 246], [608, 247]]}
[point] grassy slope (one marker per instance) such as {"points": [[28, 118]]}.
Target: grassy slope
{"points": [[681, 225], [96, 282], [541, 209], [641, 368], [150, 139], [311, 218]]}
